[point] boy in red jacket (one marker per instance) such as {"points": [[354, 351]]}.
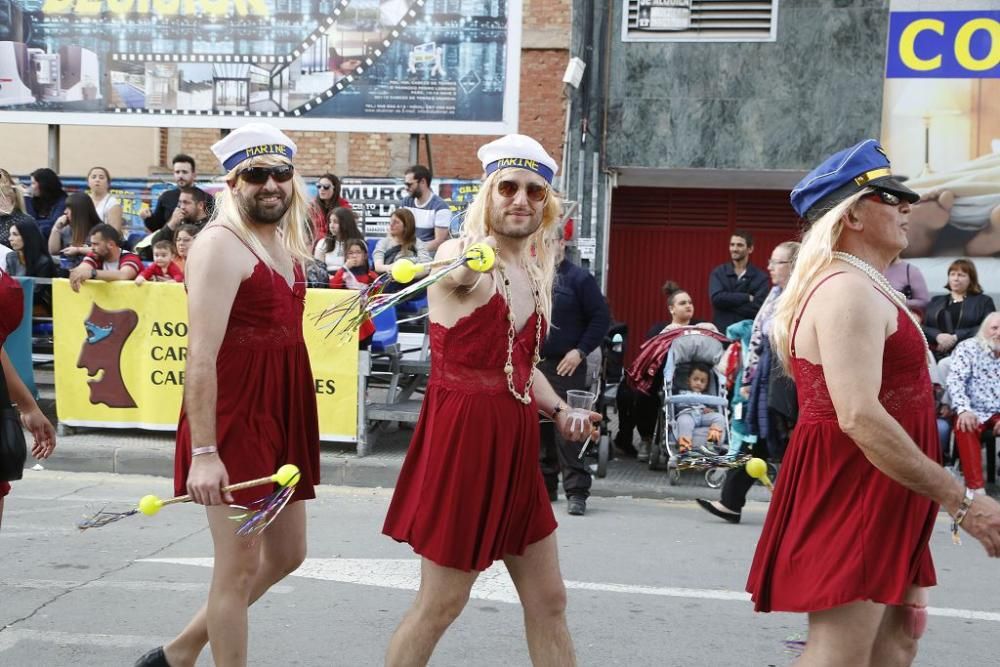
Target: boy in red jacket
{"points": [[163, 269]]}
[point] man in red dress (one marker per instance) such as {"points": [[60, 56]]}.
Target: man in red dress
{"points": [[847, 534], [249, 400], [471, 491]]}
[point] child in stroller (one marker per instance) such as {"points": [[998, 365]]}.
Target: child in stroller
{"points": [[698, 416]]}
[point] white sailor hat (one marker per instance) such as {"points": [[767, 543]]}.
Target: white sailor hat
{"points": [[252, 140], [519, 152]]}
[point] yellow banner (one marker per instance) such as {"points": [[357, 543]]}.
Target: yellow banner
{"points": [[120, 353]]}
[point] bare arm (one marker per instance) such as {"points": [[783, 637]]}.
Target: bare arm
{"points": [[441, 234], [31, 416], [113, 217], [55, 236], [547, 399], [462, 277], [216, 267]]}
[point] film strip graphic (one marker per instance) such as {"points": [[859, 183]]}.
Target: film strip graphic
{"points": [[275, 64]]}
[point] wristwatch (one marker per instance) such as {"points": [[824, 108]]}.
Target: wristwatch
{"points": [[93, 274]]}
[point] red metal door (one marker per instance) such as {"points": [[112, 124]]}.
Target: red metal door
{"points": [[660, 234]]}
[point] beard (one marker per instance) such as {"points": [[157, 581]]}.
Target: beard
{"points": [[254, 211]]}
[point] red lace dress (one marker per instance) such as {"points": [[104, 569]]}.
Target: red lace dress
{"points": [[839, 530], [471, 490], [266, 410], [11, 311]]}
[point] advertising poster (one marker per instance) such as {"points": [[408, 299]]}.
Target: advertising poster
{"points": [[121, 350], [339, 65], [941, 128]]}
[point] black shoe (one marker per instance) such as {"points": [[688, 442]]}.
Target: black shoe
{"points": [[553, 495], [577, 506], [154, 658], [731, 517]]}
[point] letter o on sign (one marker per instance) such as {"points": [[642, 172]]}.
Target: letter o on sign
{"points": [[963, 41]]}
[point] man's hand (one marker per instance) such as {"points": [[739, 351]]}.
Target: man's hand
{"points": [[206, 477], [78, 275], [176, 218], [569, 363], [967, 421], [42, 432], [145, 212], [983, 523], [574, 429]]}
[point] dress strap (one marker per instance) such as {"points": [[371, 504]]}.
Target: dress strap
{"points": [[795, 329], [240, 239]]}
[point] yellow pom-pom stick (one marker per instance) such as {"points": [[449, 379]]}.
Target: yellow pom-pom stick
{"points": [[286, 476], [404, 270], [480, 257], [757, 469]]}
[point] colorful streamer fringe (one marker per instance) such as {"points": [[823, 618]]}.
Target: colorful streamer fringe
{"points": [[262, 512], [346, 318], [103, 517], [694, 461]]}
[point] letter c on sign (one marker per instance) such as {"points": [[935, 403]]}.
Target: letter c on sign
{"points": [[909, 36], [964, 37]]}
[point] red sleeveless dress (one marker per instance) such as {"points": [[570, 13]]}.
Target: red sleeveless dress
{"points": [[471, 491], [839, 530], [266, 411], [11, 312]]}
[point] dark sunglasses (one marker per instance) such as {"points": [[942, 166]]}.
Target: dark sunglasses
{"points": [[534, 191], [259, 175], [324, 186], [884, 197]]}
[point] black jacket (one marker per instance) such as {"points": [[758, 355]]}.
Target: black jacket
{"points": [[938, 320], [730, 295], [165, 206]]}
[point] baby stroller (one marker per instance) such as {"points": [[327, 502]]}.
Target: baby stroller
{"points": [[695, 346], [609, 376]]}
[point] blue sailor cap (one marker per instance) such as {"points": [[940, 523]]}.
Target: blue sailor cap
{"points": [[844, 173], [252, 140], [517, 151]]}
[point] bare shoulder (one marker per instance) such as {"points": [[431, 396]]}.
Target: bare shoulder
{"points": [[849, 300], [218, 253], [449, 249]]}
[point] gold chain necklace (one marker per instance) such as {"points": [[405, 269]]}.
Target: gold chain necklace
{"points": [[508, 368], [883, 283]]}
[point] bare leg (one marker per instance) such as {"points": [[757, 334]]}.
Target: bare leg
{"points": [[843, 635], [282, 550], [441, 598], [895, 644], [540, 586]]}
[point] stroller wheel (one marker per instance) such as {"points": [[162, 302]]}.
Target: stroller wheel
{"points": [[603, 454], [673, 477], [715, 477]]}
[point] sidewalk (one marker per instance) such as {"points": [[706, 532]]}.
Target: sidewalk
{"points": [[150, 453]]}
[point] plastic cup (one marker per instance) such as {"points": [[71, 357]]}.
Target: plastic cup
{"points": [[580, 403]]}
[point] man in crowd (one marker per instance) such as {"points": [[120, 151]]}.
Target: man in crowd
{"points": [[737, 288], [580, 320], [974, 385], [431, 214], [107, 260], [184, 176], [192, 209]]}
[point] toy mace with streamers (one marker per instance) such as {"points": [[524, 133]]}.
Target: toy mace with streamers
{"points": [[705, 462], [347, 317], [254, 520], [757, 469]]}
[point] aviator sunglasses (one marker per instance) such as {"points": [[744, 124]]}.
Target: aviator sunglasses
{"points": [[259, 175], [535, 192], [884, 197]]}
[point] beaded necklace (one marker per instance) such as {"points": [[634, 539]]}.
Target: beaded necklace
{"points": [[884, 285], [508, 368]]}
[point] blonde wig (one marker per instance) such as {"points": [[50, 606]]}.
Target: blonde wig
{"points": [[540, 263], [294, 228], [814, 255]]}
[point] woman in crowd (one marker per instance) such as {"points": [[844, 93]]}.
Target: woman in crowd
{"points": [[341, 227], [11, 206], [108, 206], [47, 200], [70, 236], [30, 256], [183, 238], [355, 274], [12, 389], [772, 406], [907, 279], [955, 316], [327, 198], [400, 243]]}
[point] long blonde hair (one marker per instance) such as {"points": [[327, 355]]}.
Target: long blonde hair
{"points": [[294, 228], [541, 265], [814, 256]]}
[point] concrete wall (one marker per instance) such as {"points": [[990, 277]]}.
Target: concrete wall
{"points": [[754, 105], [124, 151]]}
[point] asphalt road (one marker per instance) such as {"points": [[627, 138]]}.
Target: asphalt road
{"points": [[651, 582]]}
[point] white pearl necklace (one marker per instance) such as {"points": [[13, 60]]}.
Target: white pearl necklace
{"points": [[884, 285]]}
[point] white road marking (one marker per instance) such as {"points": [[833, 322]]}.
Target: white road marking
{"points": [[495, 584], [136, 586], [11, 636]]}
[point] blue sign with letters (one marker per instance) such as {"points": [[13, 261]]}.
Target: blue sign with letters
{"points": [[944, 45]]}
